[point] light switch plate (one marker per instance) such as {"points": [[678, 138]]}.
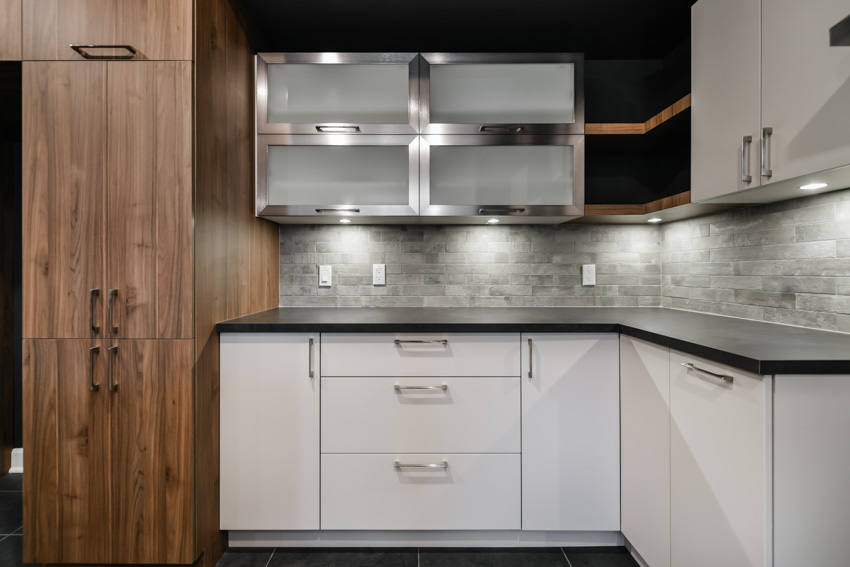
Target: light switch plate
{"points": [[325, 276], [379, 274], [588, 274]]}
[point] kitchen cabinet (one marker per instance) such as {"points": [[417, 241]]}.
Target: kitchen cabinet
{"points": [[570, 432], [309, 93], [720, 464], [125, 205], [270, 431], [152, 29], [10, 30], [498, 93], [769, 93], [108, 474], [645, 452]]}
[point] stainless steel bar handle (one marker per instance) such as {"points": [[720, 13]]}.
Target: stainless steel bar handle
{"points": [[724, 377], [93, 295], [111, 385], [500, 210], [340, 210], [501, 129], [92, 353], [311, 357], [113, 293], [339, 129], [444, 342], [441, 465], [81, 49], [766, 136], [746, 142], [399, 388], [530, 359]]}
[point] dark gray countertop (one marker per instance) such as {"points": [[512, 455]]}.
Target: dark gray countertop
{"points": [[762, 348]]}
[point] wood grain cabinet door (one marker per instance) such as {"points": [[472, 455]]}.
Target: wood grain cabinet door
{"points": [[10, 30], [151, 451], [64, 171], [66, 435], [149, 199], [156, 29]]}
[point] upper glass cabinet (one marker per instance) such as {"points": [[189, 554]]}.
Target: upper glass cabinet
{"points": [[494, 93], [333, 93]]}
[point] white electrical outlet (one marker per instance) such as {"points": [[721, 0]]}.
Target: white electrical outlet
{"points": [[325, 276], [379, 274], [588, 274]]}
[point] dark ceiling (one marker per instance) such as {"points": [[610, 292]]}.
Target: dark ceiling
{"points": [[602, 29]]}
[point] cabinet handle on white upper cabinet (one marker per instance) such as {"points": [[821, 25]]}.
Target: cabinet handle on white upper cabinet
{"points": [[399, 388], [723, 377], [746, 142], [530, 359], [766, 137], [310, 356]]}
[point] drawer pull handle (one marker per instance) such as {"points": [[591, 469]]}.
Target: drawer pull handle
{"points": [[310, 357], [723, 377], [398, 388], [530, 359], [81, 49], [92, 353], [112, 352], [113, 293], [93, 295], [443, 342], [339, 129], [400, 465]]}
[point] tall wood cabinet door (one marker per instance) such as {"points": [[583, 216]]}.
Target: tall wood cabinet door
{"points": [[570, 432], [151, 451], [645, 452], [725, 97], [805, 87], [149, 199], [64, 171], [66, 436], [719, 465], [10, 30], [156, 29], [269, 431]]}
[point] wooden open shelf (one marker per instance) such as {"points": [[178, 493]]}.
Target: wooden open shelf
{"points": [[645, 209], [640, 127]]}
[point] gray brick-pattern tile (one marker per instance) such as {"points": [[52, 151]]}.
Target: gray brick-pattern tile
{"points": [[471, 266], [786, 262]]}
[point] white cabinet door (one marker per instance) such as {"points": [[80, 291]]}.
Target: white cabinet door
{"points": [[269, 431], [570, 432], [645, 438], [725, 88], [719, 465], [805, 86]]}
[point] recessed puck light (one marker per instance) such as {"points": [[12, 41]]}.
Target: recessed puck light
{"points": [[654, 219], [813, 186], [345, 221], [492, 221]]}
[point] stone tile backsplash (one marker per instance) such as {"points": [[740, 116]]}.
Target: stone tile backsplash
{"points": [[471, 266], [786, 262]]}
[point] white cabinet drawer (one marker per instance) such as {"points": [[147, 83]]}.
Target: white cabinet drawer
{"points": [[425, 354], [368, 492], [455, 415]]}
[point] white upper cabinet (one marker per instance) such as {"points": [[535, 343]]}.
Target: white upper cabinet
{"points": [[496, 93], [314, 93], [770, 97], [805, 87]]}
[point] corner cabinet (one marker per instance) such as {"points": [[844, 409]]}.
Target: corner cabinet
{"points": [[407, 138]]}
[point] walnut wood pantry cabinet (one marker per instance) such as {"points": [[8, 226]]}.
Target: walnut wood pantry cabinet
{"points": [[137, 237]]}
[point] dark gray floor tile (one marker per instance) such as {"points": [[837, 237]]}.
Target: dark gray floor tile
{"points": [[600, 557], [344, 557], [246, 557], [492, 557], [12, 552], [11, 512], [12, 482]]}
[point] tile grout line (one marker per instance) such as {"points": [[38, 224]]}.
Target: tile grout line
{"points": [[565, 557], [270, 556]]}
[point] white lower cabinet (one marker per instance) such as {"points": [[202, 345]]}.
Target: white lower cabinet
{"points": [[720, 465], [269, 431], [457, 492], [645, 453], [570, 432]]}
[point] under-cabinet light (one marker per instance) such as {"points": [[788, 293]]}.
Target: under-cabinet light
{"points": [[813, 186], [492, 221], [654, 219], [345, 221]]}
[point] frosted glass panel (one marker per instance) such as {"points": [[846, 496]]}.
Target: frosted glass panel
{"points": [[370, 94], [501, 175], [338, 175], [503, 94]]}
